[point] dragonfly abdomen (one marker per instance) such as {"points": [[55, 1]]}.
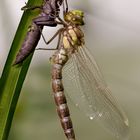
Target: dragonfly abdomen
{"points": [[59, 59]]}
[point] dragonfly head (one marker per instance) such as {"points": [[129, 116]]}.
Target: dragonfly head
{"points": [[75, 17]]}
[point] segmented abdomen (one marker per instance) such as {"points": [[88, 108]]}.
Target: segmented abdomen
{"points": [[29, 44], [59, 59]]}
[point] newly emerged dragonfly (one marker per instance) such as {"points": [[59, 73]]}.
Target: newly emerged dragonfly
{"points": [[82, 81], [49, 12]]}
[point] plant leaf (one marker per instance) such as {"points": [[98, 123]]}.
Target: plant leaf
{"points": [[13, 76]]}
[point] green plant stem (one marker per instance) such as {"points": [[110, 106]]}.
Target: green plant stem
{"points": [[13, 77]]}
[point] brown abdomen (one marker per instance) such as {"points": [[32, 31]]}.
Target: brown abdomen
{"points": [[59, 59]]}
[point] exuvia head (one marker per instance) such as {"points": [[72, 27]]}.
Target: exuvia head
{"points": [[75, 17]]}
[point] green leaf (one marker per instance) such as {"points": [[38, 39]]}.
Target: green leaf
{"points": [[13, 76]]}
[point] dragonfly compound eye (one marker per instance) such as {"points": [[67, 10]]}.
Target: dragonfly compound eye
{"points": [[75, 17]]}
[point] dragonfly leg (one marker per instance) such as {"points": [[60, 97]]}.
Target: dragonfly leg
{"points": [[59, 39], [52, 38], [61, 21], [66, 6], [65, 9], [55, 35], [46, 49]]}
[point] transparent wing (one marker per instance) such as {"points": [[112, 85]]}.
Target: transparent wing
{"points": [[86, 87]]}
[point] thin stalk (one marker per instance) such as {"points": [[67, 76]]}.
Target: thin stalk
{"points": [[13, 77]]}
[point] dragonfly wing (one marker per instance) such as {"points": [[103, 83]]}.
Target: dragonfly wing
{"points": [[86, 87]]}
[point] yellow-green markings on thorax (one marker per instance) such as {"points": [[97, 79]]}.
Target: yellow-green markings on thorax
{"points": [[73, 35]]}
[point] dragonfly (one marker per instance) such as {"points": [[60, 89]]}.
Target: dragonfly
{"points": [[74, 68], [75, 71], [49, 11]]}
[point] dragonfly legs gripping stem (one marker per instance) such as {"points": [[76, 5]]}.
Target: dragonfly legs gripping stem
{"points": [[65, 10], [58, 33]]}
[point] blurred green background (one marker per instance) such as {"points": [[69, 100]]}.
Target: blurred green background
{"points": [[112, 33]]}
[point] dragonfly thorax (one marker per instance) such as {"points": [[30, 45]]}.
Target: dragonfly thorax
{"points": [[72, 38]]}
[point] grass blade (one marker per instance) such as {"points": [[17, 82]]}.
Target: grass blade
{"points": [[13, 76]]}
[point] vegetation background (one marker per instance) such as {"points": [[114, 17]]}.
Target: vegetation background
{"points": [[112, 33]]}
